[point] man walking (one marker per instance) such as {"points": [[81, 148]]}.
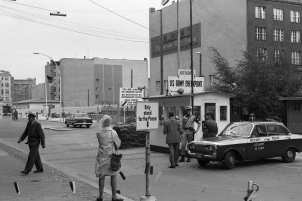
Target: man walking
{"points": [[188, 132], [172, 129], [35, 136]]}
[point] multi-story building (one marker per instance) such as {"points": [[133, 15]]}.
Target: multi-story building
{"points": [[22, 89], [5, 91], [270, 27], [97, 81]]}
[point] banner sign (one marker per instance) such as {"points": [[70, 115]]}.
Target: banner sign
{"points": [[146, 115], [129, 96], [175, 83]]}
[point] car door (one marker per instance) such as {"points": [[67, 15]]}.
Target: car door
{"points": [[280, 139], [258, 146]]}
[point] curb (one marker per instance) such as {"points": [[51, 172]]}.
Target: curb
{"points": [[58, 128]]}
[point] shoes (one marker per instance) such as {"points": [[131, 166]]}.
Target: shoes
{"points": [[24, 171], [188, 159], [99, 199], [171, 166], [117, 199], [37, 171], [182, 159]]}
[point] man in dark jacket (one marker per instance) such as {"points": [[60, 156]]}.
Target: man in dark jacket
{"points": [[172, 128], [210, 127], [35, 136]]}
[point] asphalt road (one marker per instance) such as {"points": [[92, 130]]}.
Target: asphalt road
{"points": [[74, 152]]}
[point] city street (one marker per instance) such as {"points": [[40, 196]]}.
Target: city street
{"points": [[73, 152]]}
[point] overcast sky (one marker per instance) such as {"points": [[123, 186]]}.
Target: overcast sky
{"points": [[90, 29]]}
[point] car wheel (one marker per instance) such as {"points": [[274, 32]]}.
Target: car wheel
{"points": [[67, 125], [289, 156], [202, 162], [230, 160], [87, 126]]}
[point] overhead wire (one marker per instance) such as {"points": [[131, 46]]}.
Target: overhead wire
{"points": [[78, 28]]}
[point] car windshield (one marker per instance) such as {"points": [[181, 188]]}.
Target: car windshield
{"points": [[80, 115], [239, 129]]}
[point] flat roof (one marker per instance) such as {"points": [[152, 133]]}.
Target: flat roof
{"points": [[188, 95]]}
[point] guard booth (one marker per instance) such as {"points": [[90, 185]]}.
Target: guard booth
{"points": [[217, 104]]}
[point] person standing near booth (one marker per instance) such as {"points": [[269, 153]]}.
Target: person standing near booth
{"points": [[188, 132], [210, 127], [172, 129]]}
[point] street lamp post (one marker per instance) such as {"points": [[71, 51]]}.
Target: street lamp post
{"points": [[60, 74]]}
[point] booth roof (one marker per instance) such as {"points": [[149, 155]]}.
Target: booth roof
{"points": [[188, 95]]}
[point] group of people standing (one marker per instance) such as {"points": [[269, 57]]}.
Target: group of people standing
{"points": [[178, 134]]}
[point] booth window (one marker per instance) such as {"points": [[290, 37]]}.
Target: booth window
{"points": [[223, 113], [157, 85], [210, 108]]}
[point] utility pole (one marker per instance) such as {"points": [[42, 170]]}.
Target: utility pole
{"points": [[191, 45]]}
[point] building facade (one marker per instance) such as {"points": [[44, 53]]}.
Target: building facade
{"points": [[96, 81], [268, 27], [5, 91], [22, 89]]}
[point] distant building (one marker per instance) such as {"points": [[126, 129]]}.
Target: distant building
{"points": [[97, 81], [5, 91], [271, 28], [38, 91], [21, 89]]}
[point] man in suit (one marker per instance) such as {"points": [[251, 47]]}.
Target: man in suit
{"points": [[35, 136], [172, 129]]}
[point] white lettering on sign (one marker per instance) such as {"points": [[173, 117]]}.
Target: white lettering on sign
{"points": [[175, 83], [146, 115], [130, 96]]}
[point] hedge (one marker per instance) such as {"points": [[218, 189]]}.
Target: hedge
{"points": [[130, 137]]}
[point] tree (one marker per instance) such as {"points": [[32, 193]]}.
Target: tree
{"points": [[256, 83]]}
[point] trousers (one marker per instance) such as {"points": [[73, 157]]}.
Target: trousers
{"points": [[33, 158], [186, 137], [174, 152]]}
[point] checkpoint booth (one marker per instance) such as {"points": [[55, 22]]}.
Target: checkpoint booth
{"points": [[215, 103]]}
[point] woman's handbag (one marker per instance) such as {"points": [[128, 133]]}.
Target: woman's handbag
{"points": [[116, 159]]}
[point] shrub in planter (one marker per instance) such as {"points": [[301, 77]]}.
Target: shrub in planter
{"points": [[130, 137]]}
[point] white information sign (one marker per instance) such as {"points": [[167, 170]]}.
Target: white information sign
{"points": [[129, 96], [146, 115]]}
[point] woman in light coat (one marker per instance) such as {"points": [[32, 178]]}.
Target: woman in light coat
{"points": [[106, 138]]}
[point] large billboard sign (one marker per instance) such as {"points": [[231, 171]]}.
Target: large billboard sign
{"points": [[129, 96]]}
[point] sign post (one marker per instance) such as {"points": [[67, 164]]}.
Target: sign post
{"points": [[147, 118]]}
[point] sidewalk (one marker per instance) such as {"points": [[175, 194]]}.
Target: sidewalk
{"points": [[47, 186]]}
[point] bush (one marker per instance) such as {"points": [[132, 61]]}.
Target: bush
{"points": [[130, 137]]}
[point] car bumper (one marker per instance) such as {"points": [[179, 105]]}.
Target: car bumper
{"points": [[212, 156], [82, 124]]}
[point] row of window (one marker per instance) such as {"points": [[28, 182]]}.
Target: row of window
{"points": [[278, 14], [295, 35], [279, 55]]}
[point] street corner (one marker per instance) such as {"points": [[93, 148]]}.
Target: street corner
{"points": [[57, 128]]}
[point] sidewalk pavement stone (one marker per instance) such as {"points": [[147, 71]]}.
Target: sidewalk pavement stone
{"points": [[52, 185]]}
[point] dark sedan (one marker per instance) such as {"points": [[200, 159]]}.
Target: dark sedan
{"points": [[78, 119], [241, 141]]}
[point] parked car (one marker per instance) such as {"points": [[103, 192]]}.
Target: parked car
{"points": [[241, 141], [78, 119]]}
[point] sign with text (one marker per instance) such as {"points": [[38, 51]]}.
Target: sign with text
{"points": [[129, 96], [146, 115], [184, 82]]}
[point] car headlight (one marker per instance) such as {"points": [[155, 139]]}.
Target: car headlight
{"points": [[211, 147], [191, 146]]}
